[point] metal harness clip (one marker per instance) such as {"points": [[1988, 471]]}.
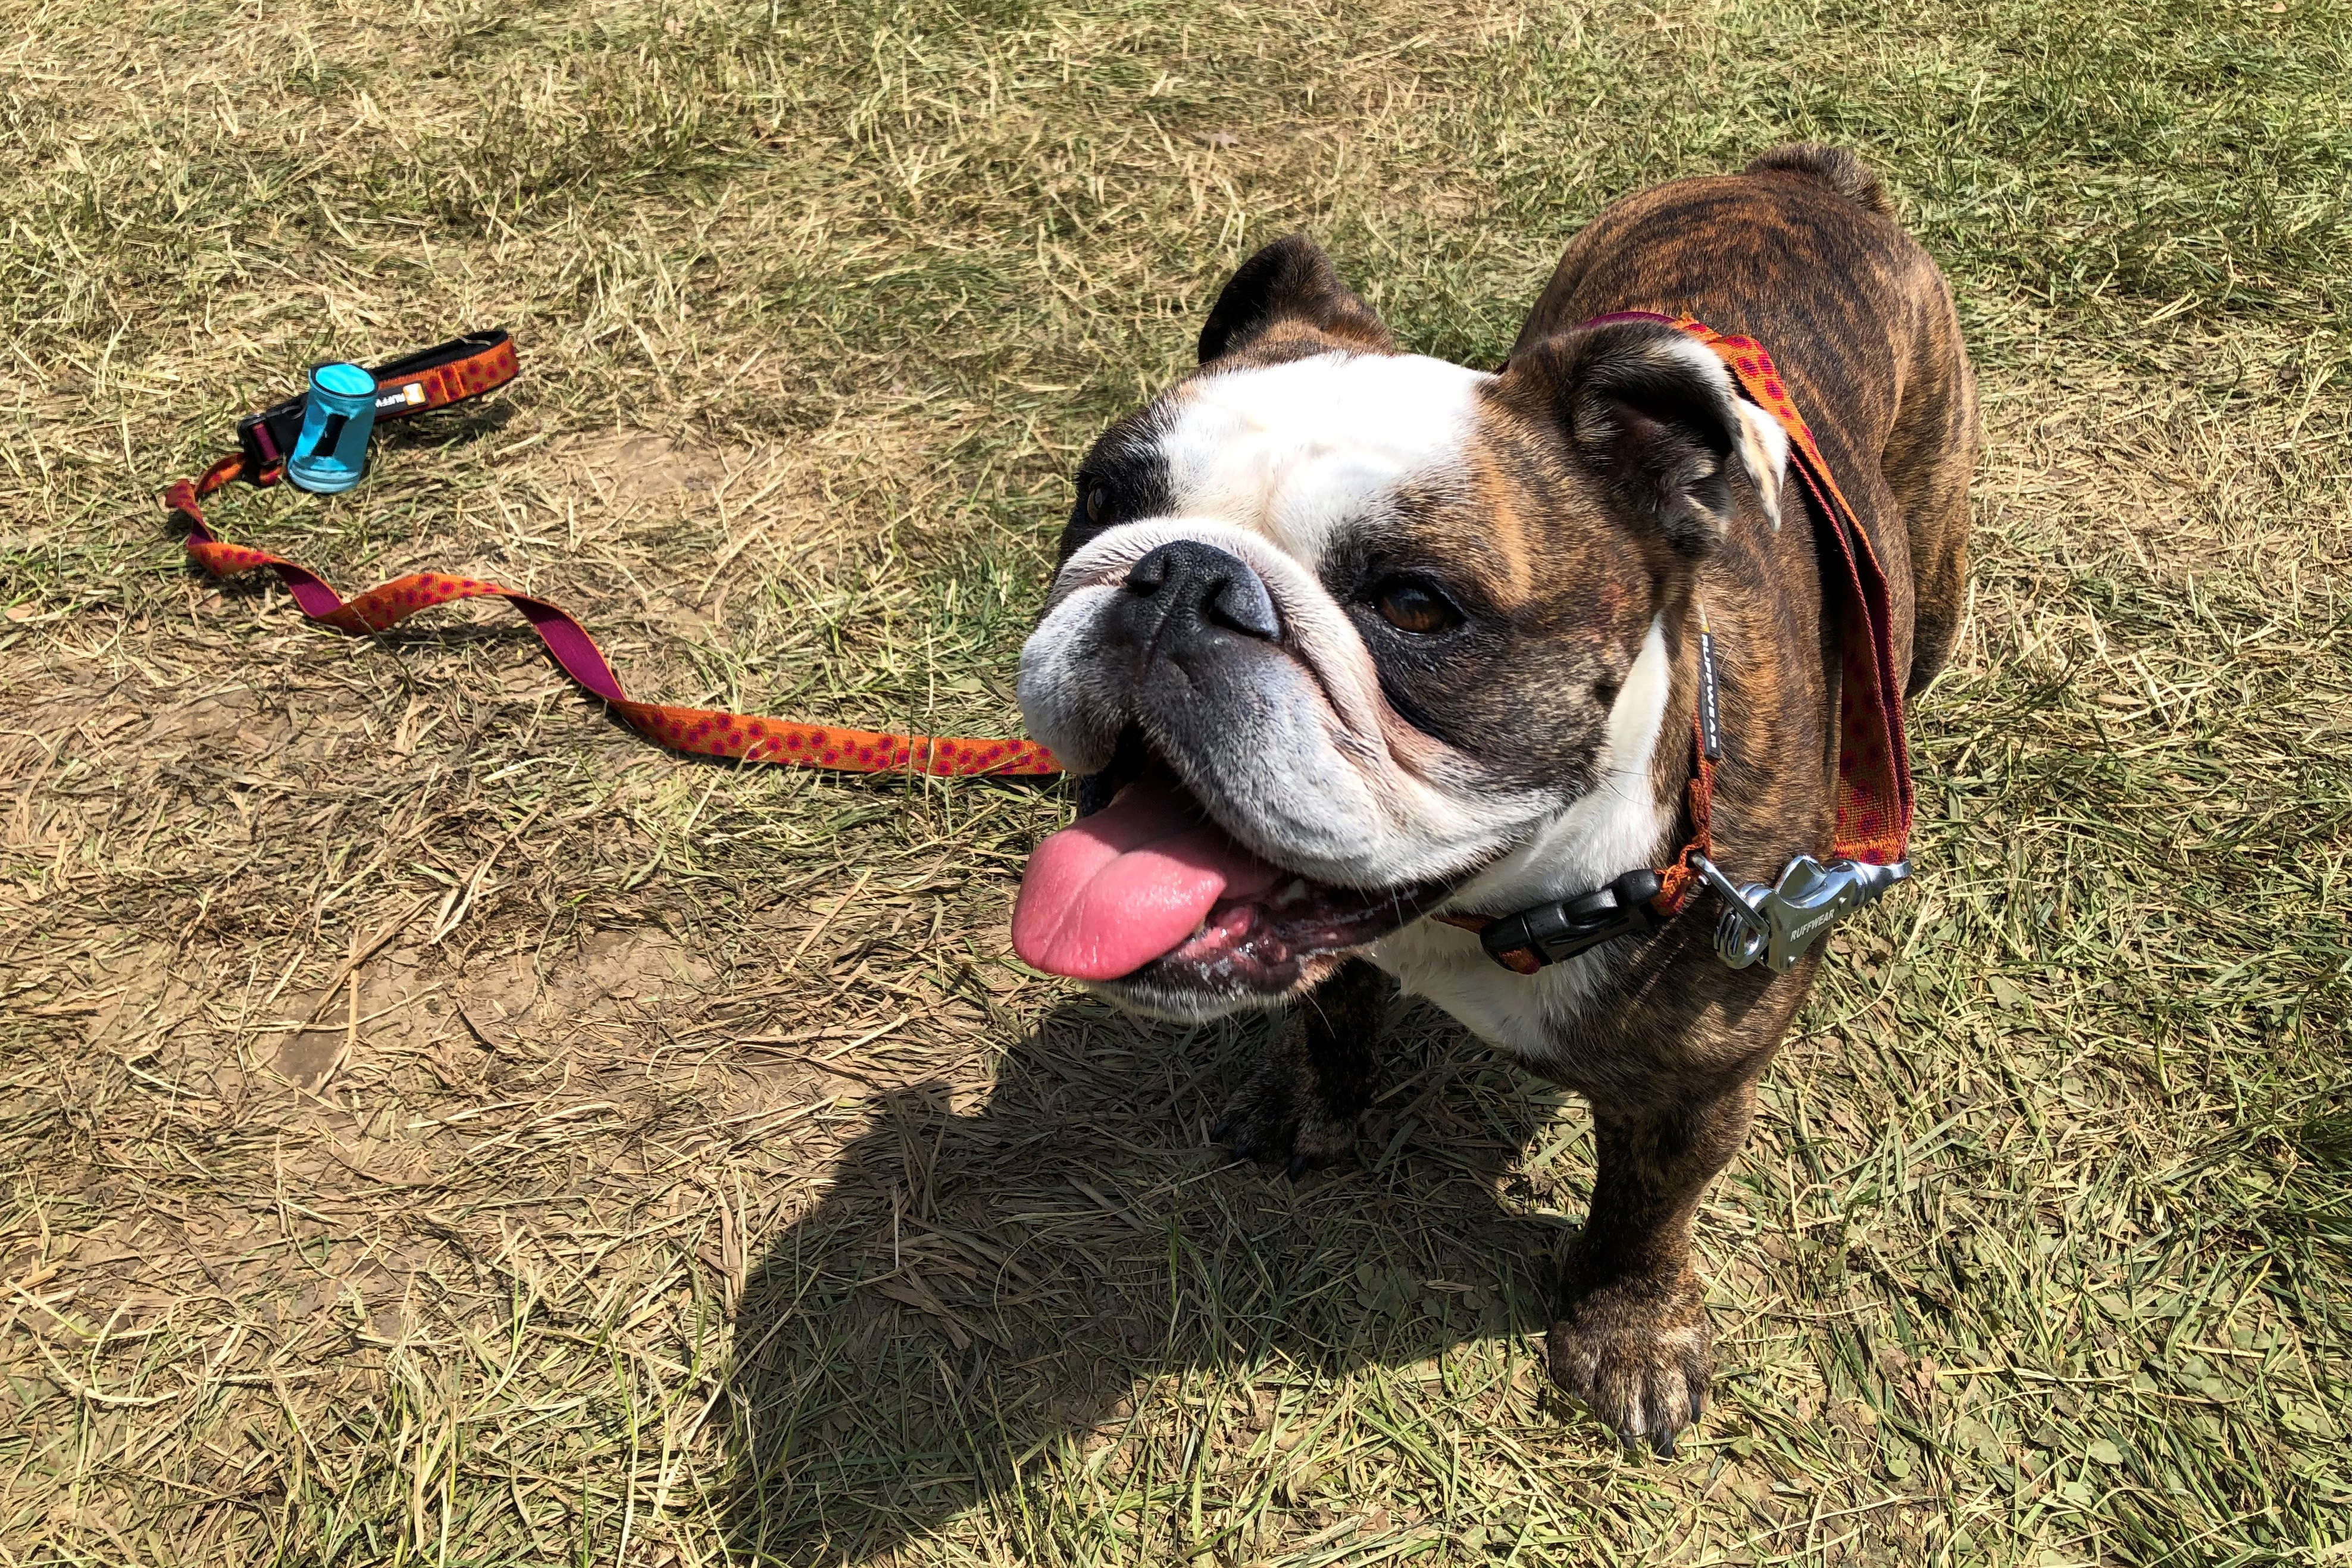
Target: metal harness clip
{"points": [[1777, 924]]}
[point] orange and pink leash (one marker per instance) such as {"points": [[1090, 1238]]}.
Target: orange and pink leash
{"points": [[705, 732], [1874, 791]]}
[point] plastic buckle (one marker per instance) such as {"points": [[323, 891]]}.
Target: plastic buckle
{"points": [[1554, 932], [267, 438]]}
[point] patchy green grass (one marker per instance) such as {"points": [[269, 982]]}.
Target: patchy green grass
{"points": [[438, 1129]]}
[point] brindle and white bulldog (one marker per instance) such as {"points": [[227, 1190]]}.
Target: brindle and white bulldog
{"points": [[1347, 637]]}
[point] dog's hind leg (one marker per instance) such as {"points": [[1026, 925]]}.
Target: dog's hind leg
{"points": [[1302, 1103]]}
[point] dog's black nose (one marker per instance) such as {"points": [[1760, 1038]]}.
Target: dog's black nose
{"points": [[1219, 587]]}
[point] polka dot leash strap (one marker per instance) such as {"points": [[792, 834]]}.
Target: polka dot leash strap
{"points": [[1874, 785], [706, 732]]}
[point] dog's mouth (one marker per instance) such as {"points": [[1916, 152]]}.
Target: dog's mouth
{"points": [[1150, 889]]}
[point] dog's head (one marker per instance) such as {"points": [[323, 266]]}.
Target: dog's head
{"points": [[1338, 630]]}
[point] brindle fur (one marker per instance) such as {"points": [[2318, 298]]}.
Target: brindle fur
{"points": [[1582, 535], [1797, 253]]}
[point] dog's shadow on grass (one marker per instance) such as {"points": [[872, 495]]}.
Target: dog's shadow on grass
{"points": [[977, 1289]]}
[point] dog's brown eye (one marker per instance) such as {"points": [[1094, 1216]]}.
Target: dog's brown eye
{"points": [[1098, 503], [1410, 607]]}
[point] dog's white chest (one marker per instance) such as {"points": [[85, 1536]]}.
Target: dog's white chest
{"points": [[1616, 828], [1532, 1016]]}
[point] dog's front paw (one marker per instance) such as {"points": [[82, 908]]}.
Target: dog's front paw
{"points": [[1277, 1118], [1637, 1352]]}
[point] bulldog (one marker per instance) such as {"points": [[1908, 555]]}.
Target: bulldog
{"points": [[1345, 642]]}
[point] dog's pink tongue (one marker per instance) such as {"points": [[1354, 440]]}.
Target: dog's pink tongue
{"points": [[1114, 891]]}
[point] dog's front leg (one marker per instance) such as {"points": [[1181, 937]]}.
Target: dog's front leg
{"points": [[1302, 1103], [1632, 1339]]}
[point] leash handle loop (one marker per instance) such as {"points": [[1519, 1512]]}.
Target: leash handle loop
{"points": [[445, 373]]}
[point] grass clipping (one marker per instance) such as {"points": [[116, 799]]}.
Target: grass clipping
{"points": [[440, 1128]]}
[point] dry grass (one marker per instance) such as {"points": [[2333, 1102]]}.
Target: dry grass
{"points": [[440, 1129]]}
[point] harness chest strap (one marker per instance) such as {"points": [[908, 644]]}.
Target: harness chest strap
{"points": [[1873, 793]]}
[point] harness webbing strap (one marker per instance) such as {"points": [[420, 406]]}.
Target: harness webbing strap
{"points": [[1874, 782], [439, 379]]}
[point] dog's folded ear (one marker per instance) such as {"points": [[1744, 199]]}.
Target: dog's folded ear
{"points": [[1655, 416], [1291, 280]]}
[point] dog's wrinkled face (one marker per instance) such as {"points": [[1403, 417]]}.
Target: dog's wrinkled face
{"points": [[1337, 630]]}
